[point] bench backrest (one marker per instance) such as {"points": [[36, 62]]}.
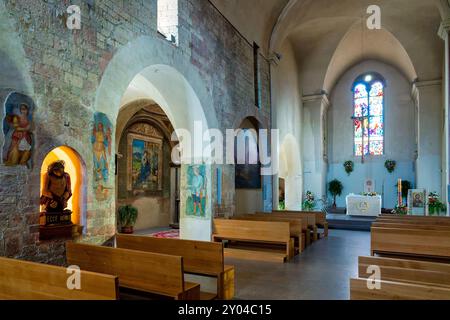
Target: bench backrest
{"points": [[309, 216], [22, 280], [411, 241], [416, 220], [151, 272], [277, 232], [321, 217], [410, 226], [198, 257], [407, 270], [396, 291], [296, 225]]}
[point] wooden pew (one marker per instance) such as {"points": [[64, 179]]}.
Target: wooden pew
{"points": [[200, 258], [259, 232], [22, 280], [152, 273], [409, 271], [396, 291], [416, 220], [310, 216], [411, 241], [298, 227], [402, 280], [410, 225]]}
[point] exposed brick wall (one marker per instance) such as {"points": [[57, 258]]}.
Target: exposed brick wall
{"points": [[66, 68]]}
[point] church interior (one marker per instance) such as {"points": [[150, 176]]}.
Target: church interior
{"points": [[225, 150]]}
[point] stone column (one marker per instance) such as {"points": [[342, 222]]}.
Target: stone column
{"points": [[444, 34], [315, 162], [428, 100]]}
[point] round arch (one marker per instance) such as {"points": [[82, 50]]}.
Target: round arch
{"points": [[152, 69]]}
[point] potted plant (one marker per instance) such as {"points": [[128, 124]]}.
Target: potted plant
{"points": [[349, 167], [127, 218], [435, 206], [390, 165], [335, 188], [400, 210], [310, 202]]}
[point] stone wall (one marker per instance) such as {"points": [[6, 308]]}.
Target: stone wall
{"points": [[62, 70]]}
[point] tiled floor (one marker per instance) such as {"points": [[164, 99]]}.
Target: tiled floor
{"points": [[322, 272]]}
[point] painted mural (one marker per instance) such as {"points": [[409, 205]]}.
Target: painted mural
{"points": [[18, 130], [101, 145], [197, 191], [144, 163]]}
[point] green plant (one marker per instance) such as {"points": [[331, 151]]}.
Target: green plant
{"points": [[435, 206], [400, 210], [335, 187], [349, 166], [310, 202], [128, 216], [390, 165], [281, 205]]}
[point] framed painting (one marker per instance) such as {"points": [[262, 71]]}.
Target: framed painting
{"points": [[417, 202], [144, 168]]}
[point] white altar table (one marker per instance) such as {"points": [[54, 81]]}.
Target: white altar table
{"points": [[358, 205]]}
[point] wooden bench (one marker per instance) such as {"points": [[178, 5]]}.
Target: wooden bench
{"points": [[402, 279], [409, 271], [157, 274], [22, 280], [391, 290], [298, 227], [411, 241], [416, 220], [311, 219], [255, 232], [199, 258]]}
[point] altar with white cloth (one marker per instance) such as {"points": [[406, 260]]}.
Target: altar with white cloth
{"points": [[369, 206]]}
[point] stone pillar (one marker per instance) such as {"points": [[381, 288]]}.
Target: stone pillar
{"points": [[315, 163], [444, 31], [428, 100]]}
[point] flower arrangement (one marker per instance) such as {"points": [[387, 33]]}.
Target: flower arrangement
{"points": [[310, 202], [401, 210], [390, 165], [349, 167], [435, 206], [370, 194]]}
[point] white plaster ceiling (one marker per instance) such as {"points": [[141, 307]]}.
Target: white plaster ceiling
{"points": [[326, 34]]}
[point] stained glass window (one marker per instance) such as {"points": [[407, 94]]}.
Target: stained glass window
{"points": [[368, 116]]}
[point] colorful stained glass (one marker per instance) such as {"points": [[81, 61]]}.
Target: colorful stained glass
{"points": [[361, 91], [369, 125]]}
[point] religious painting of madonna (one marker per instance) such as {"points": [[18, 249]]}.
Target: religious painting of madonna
{"points": [[144, 164], [197, 199], [18, 130]]}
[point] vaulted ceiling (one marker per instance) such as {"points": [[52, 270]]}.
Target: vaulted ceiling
{"points": [[329, 36]]}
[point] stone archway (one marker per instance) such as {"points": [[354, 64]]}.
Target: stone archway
{"points": [[160, 73]]}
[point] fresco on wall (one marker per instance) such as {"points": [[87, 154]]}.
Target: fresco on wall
{"points": [[101, 143], [18, 130], [144, 163], [197, 191]]}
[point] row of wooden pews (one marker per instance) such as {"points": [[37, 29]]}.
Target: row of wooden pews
{"points": [[138, 268], [275, 237], [413, 257]]}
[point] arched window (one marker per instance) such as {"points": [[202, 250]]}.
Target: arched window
{"points": [[368, 116]]}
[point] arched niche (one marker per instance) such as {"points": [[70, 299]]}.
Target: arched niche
{"points": [[75, 167]]}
